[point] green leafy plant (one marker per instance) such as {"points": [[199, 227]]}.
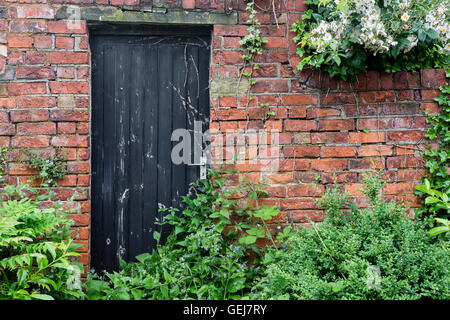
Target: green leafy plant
{"points": [[3, 160], [347, 37], [50, 169], [439, 201], [35, 248], [200, 259], [247, 219], [444, 228], [253, 41], [375, 253], [436, 160]]}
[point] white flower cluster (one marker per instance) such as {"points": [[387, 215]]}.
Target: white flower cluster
{"points": [[374, 31], [326, 34], [372, 35], [436, 20]]}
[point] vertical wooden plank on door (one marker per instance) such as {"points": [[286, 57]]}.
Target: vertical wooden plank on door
{"points": [[165, 124], [110, 148], [136, 107], [203, 101], [150, 145], [192, 97], [122, 190], [97, 228], [179, 109]]}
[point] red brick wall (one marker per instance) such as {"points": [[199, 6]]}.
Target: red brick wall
{"points": [[45, 101]]}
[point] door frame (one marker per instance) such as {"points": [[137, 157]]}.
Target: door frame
{"points": [[132, 29]]}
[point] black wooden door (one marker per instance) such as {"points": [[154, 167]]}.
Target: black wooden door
{"points": [[146, 82]]}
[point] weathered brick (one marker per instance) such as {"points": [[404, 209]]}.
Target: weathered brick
{"points": [[68, 181], [22, 88], [65, 72], [42, 42], [331, 177], [35, 72], [226, 30], [28, 26], [328, 164], [323, 112], [375, 150], [401, 80], [73, 87], [15, 41], [4, 117], [377, 96], [33, 115], [413, 135], [36, 57], [79, 219], [299, 100], [69, 115], [36, 128], [229, 114], [70, 141], [270, 86], [36, 102], [336, 125], [280, 178], [369, 137], [78, 167], [7, 103], [338, 152], [383, 123], [7, 129], [62, 57], [67, 127], [84, 180], [366, 163], [301, 138], [337, 98], [35, 12], [404, 162], [300, 125], [431, 107], [428, 77], [399, 188], [30, 142], [64, 43], [67, 27], [354, 189], [329, 137], [301, 151], [305, 191]]}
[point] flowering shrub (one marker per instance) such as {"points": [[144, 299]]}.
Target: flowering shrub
{"points": [[346, 37]]}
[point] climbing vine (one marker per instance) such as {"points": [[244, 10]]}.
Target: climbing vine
{"points": [[252, 44], [437, 178]]}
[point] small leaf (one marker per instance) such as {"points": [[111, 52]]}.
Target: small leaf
{"points": [[39, 296]]}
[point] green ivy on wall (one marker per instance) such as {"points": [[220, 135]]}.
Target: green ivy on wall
{"points": [[436, 188]]}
